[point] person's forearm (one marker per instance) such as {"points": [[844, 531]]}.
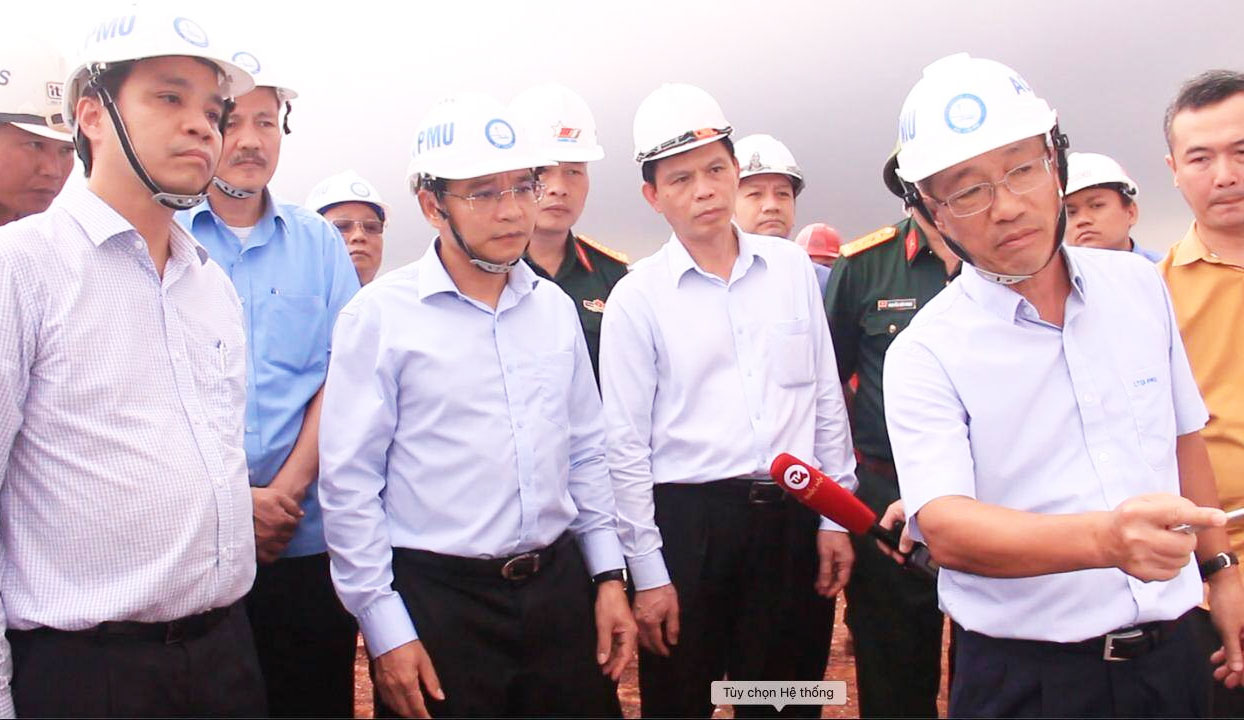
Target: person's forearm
{"points": [[303, 464], [1196, 482], [970, 536]]}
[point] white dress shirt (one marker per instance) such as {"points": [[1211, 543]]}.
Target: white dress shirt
{"points": [[984, 399], [452, 427], [124, 491], [705, 379]]}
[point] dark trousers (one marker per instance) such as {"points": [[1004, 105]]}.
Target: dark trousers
{"points": [[78, 674], [306, 640], [1020, 678], [1224, 702], [505, 648], [894, 621], [744, 574]]}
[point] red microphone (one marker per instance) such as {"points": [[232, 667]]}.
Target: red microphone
{"points": [[819, 492]]}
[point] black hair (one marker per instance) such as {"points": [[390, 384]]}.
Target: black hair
{"points": [[649, 169], [1208, 88], [108, 81]]}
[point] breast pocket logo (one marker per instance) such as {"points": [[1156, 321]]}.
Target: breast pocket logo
{"points": [[1145, 381]]}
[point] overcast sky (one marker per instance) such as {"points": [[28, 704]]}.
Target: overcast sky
{"points": [[826, 77]]}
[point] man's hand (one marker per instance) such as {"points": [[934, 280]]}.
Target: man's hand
{"points": [[276, 518], [398, 675], [1226, 608], [1138, 539], [894, 513], [834, 550], [656, 611], [615, 629]]}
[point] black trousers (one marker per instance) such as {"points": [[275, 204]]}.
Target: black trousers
{"points": [[1019, 678], [744, 574], [75, 674], [894, 621], [1224, 702], [305, 638], [504, 648]]}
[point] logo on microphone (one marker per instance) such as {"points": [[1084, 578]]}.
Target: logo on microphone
{"points": [[797, 477]]}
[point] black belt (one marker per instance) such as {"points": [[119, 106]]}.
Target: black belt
{"points": [[515, 568], [757, 492], [1126, 643], [169, 633]]}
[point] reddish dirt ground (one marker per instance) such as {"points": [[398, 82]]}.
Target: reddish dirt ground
{"points": [[841, 667]]}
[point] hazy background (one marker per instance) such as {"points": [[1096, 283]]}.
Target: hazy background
{"points": [[827, 78]]}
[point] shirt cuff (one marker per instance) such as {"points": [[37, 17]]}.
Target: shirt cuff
{"points": [[601, 551], [648, 571], [827, 524], [386, 624]]}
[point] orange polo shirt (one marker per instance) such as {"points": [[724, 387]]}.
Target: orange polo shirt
{"points": [[1209, 307]]}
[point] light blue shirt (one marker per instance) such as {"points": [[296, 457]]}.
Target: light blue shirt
{"points": [[984, 399], [293, 275], [705, 379], [452, 427], [1149, 255]]}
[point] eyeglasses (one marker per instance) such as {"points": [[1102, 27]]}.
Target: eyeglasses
{"points": [[528, 193], [684, 139], [1020, 179], [371, 227]]}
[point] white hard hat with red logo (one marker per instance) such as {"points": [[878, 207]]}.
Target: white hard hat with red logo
{"points": [[760, 154], [562, 121], [31, 85], [675, 118]]}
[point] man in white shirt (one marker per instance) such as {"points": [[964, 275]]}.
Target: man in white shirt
{"points": [[1044, 425], [715, 358], [125, 513]]}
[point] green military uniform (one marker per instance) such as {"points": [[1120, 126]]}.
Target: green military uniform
{"points": [[877, 285], [587, 274]]}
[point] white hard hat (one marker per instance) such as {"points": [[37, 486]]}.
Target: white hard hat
{"points": [[561, 120], [31, 76], [345, 187], [471, 135], [1086, 170], [760, 154], [963, 107], [675, 118], [147, 31], [264, 75]]}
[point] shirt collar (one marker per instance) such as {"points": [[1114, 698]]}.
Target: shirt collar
{"points": [[273, 216], [434, 279], [1190, 248], [751, 248], [101, 222], [1005, 302]]}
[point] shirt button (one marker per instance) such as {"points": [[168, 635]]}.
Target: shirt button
{"points": [[1089, 398], [1104, 457], [520, 423], [242, 300], [138, 244], [892, 329], [250, 428]]}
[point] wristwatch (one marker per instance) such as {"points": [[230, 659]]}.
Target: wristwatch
{"points": [[1216, 563], [606, 576]]}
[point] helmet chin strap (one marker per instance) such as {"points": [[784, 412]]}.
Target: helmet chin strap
{"points": [[479, 262], [233, 191], [913, 198], [173, 201]]}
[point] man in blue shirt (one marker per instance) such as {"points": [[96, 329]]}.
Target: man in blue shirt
{"points": [[467, 503], [292, 274]]}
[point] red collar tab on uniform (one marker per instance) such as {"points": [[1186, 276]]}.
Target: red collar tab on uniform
{"points": [[583, 259], [911, 243]]}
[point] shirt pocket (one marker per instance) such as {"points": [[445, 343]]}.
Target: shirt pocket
{"points": [[790, 353], [294, 331], [1153, 411], [886, 326], [554, 374], [220, 376]]}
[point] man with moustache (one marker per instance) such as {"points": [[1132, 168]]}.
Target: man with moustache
{"points": [[467, 502], [586, 269], [125, 516], [292, 274], [1101, 205], [354, 207], [36, 150], [1044, 422], [715, 358]]}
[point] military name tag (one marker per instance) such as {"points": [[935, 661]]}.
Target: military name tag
{"points": [[597, 305], [897, 304]]}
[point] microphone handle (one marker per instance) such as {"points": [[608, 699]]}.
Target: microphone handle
{"points": [[919, 560]]}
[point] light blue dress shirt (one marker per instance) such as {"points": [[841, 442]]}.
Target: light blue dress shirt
{"points": [[1147, 254], [705, 379], [984, 399], [293, 275], [452, 427]]}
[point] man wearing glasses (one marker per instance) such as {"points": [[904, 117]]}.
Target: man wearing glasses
{"points": [[292, 274], [467, 503], [354, 207], [1044, 423]]}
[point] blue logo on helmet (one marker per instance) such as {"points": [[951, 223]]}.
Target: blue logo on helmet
{"points": [[965, 113], [499, 133], [247, 62], [190, 31]]}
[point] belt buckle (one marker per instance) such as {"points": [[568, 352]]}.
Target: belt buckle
{"points": [[764, 493], [521, 567], [1108, 651]]}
